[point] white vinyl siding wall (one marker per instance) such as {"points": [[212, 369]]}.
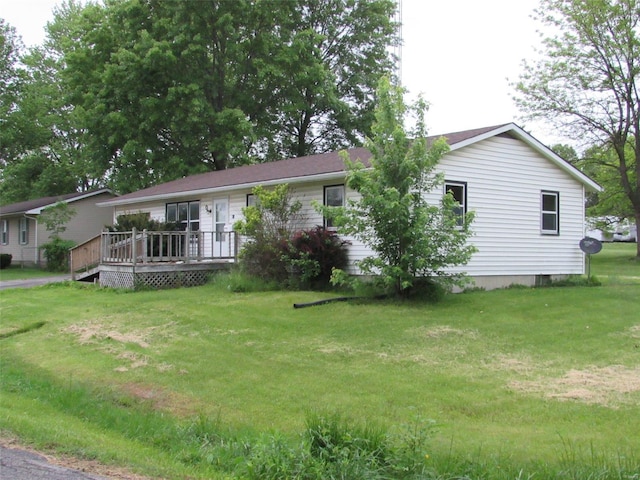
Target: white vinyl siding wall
{"points": [[504, 179]]}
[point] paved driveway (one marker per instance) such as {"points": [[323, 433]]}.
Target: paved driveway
{"points": [[16, 464], [33, 282]]}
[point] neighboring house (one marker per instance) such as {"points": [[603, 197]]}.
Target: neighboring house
{"points": [[528, 202], [615, 230], [22, 235]]}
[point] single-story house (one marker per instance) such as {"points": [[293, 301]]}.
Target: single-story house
{"points": [[21, 235], [529, 203]]}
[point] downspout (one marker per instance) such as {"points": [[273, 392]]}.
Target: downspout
{"points": [[36, 259]]}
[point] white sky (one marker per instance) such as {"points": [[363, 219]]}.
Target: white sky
{"points": [[460, 54]]}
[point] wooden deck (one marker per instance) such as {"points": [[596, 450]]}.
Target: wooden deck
{"points": [[153, 259]]}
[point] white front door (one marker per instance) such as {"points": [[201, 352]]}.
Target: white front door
{"points": [[220, 219]]}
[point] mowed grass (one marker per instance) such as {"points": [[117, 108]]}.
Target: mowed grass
{"points": [[16, 272], [516, 377]]}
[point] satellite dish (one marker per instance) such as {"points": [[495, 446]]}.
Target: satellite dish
{"points": [[590, 245]]}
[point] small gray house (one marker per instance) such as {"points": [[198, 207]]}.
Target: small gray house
{"points": [[21, 235]]}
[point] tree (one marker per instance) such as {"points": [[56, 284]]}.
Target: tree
{"points": [[170, 89], [410, 237], [269, 225], [56, 251], [42, 136], [587, 84], [325, 75]]}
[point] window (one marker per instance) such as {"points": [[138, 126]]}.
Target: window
{"points": [[550, 213], [333, 197], [23, 231], [251, 200], [458, 191], [4, 232], [186, 215]]}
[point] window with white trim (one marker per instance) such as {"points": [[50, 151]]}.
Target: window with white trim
{"points": [[186, 215], [458, 191], [23, 231], [4, 232], [333, 197], [549, 213]]}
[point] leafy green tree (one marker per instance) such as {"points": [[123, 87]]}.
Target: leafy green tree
{"points": [[410, 238], [332, 55], [169, 89], [10, 47], [603, 165], [56, 251], [43, 137], [269, 225], [587, 85]]}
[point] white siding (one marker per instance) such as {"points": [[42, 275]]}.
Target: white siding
{"points": [[504, 179]]}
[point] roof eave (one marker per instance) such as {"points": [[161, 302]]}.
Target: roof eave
{"points": [[222, 189]]}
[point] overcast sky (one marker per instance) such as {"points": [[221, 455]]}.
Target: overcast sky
{"points": [[460, 54]]}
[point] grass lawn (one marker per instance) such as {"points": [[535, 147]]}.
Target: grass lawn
{"points": [[16, 272], [537, 381]]}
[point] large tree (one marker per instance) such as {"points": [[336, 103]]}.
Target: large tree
{"points": [[586, 84], [325, 75], [42, 138], [410, 236], [175, 88]]}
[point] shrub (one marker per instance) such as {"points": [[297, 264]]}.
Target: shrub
{"points": [[5, 260], [141, 221], [57, 254], [317, 251]]}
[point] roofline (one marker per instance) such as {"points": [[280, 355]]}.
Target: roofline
{"points": [[203, 191], [38, 210], [520, 133], [535, 144]]}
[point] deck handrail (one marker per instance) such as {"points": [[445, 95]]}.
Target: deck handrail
{"points": [[85, 255], [140, 247]]}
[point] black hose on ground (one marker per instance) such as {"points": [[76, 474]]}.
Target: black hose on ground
{"points": [[322, 302]]}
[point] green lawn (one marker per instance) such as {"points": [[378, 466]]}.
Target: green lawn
{"points": [[16, 272], [516, 379]]}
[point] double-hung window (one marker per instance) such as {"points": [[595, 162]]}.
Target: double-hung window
{"points": [[550, 213], [4, 232], [333, 197], [458, 191], [186, 215], [23, 231]]}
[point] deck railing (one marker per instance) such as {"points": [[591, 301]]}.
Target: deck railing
{"points": [[137, 247]]}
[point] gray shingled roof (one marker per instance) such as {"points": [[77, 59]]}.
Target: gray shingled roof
{"points": [[312, 165], [22, 207]]}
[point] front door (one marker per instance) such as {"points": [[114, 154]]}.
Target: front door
{"points": [[220, 218]]}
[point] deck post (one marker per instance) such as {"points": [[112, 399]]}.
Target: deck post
{"points": [[144, 246], [134, 248]]}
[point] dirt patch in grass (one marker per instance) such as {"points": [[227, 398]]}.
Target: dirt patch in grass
{"points": [[608, 386], [441, 331], [92, 332]]}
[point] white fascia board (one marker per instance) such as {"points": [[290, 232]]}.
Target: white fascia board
{"points": [[206, 191], [539, 147]]}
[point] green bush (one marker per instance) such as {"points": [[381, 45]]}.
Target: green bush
{"points": [[317, 252], [57, 254], [5, 260]]}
